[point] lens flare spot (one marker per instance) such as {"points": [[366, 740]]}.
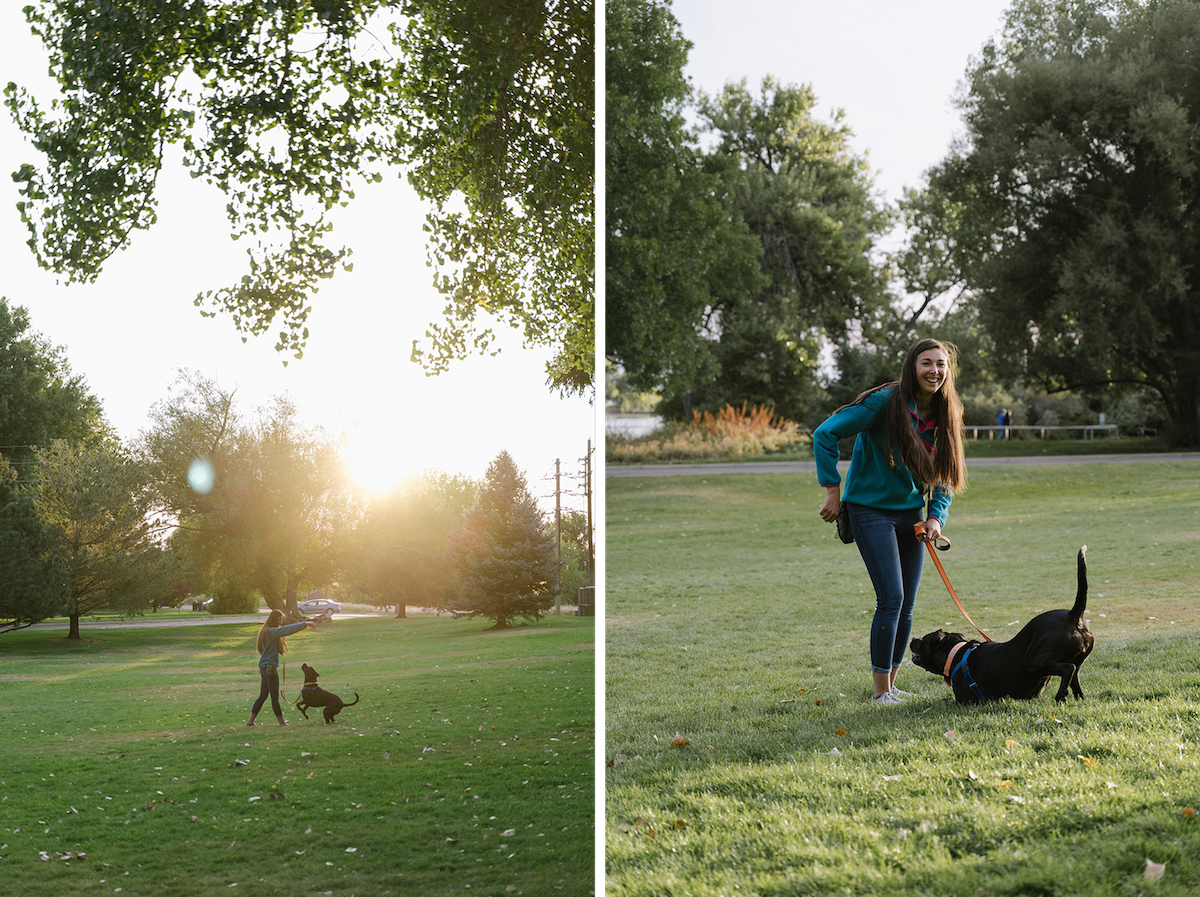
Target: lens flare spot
{"points": [[201, 476]]}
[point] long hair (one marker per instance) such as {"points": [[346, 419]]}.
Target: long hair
{"points": [[274, 618], [946, 467]]}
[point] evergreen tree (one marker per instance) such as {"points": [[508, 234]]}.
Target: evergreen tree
{"points": [[504, 555]]}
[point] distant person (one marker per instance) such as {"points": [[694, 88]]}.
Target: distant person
{"points": [[270, 644], [1000, 422], [1008, 423], [908, 446]]}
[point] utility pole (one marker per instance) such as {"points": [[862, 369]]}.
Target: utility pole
{"points": [[558, 536], [587, 485]]}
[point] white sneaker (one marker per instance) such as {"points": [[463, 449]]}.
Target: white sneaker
{"points": [[902, 694], [887, 699]]}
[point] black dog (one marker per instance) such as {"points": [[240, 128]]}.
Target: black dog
{"points": [[1055, 643], [312, 695]]}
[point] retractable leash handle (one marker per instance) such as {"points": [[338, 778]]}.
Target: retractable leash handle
{"points": [[919, 531]]}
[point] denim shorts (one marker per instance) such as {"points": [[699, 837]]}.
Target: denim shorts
{"points": [[894, 559]]}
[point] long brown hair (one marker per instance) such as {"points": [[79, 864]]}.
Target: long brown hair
{"points": [[946, 467], [274, 618]]}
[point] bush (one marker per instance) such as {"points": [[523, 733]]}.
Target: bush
{"points": [[980, 407], [730, 433], [1139, 412], [235, 600]]}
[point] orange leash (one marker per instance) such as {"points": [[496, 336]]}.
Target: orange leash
{"points": [[918, 529]]}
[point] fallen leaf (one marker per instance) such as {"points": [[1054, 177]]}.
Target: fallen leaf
{"points": [[971, 775], [679, 823], [891, 778], [1155, 871], [1085, 759], [508, 833], [678, 741], [1187, 811], [840, 731], [951, 735]]}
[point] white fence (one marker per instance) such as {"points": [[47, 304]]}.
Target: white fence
{"points": [[1089, 431]]}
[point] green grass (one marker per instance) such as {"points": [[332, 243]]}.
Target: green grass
{"points": [[466, 767], [736, 620]]}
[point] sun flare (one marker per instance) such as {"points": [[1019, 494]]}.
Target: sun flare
{"points": [[375, 464]]}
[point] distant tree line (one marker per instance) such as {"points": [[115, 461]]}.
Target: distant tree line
{"points": [[244, 509], [1056, 244]]}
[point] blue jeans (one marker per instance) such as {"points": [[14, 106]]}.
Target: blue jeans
{"points": [[269, 675], [894, 559]]}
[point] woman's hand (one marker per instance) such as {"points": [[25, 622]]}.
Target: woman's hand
{"points": [[833, 503], [933, 529]]}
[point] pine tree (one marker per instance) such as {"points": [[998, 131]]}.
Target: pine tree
{"points": [[504, 558]]}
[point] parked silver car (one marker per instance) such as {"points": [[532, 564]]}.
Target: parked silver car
{"points": [[321, 608]]}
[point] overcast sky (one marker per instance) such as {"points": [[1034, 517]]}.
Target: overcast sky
{"points": [[130, 331], [891, 65]]}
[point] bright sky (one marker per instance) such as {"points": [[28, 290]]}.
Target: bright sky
{"points": [[131, 331], [891, 65]]}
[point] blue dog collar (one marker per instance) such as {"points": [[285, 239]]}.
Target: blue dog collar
{"points": [[968, 680]]}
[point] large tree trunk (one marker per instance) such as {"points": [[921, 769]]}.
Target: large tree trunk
{"points": [[401, 611], [74, 631]]}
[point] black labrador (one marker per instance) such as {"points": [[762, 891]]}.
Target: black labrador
{"points": [[1054, 643], [312, 695]]}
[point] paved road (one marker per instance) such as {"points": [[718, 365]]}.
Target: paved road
{"points": [[673, 470], [202, 618]]}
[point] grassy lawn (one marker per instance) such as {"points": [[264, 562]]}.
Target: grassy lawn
{"points": [[736, 620], [466, 767]]}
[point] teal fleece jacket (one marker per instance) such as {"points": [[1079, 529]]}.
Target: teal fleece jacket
{"points": [[871, 481], [270, 652]]}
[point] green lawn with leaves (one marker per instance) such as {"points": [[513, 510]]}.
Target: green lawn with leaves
{"points": [[744, 756], [466, 767]]}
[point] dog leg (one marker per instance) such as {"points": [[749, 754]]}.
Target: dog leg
{"points": [[1076, 688], [1067, 672]]}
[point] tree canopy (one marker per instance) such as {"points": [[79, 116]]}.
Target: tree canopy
{"points": [[401, 553], [97, 512], [1079, 174], [287, 108], [674, 250], [33, 583], [41, 399], [261, 503], [808, 200]]}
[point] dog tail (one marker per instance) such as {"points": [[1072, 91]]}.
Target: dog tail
{"points": [[352, 703], [1081, 594]]}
